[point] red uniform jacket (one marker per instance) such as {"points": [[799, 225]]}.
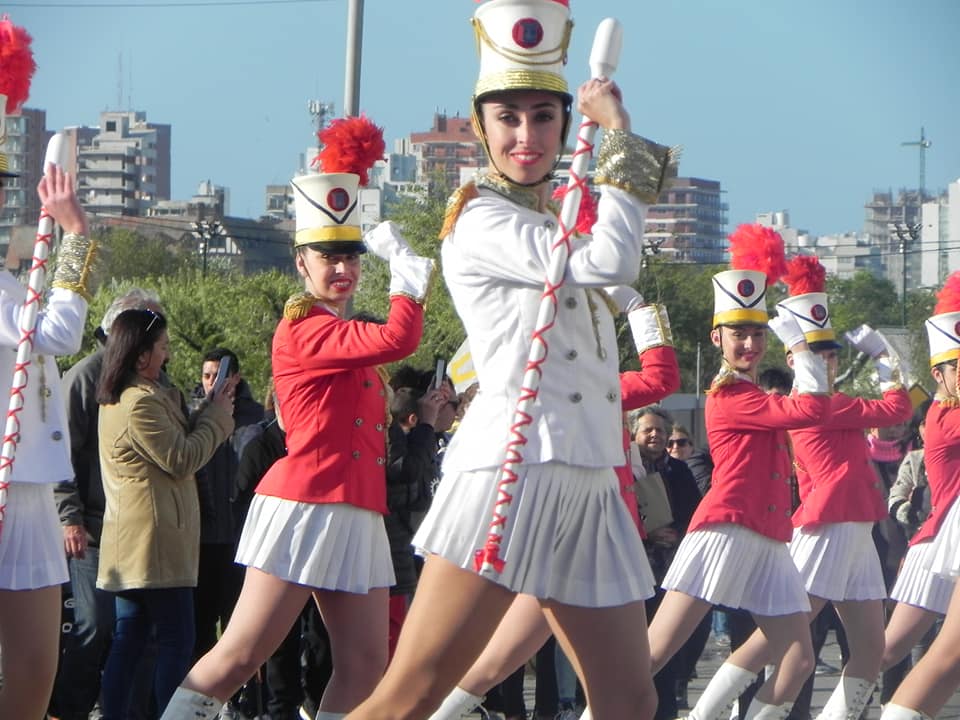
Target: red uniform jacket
{"points": [[746, 433], [660, 377], [941, 453], [837, 480], [333, 404]]}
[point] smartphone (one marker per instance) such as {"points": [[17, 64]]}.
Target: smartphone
{"points": [[222, 373], [439, 374]]}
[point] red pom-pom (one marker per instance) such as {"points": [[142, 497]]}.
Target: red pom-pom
{"points": [[586, 215], [948, 299], [16, 64], [756, 247], [805, 275], [350, 145]]}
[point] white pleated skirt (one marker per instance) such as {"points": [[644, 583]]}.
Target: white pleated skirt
{"points": [[31, 541], [916, 585], [568, 537], [728, 564], [331, 546], [838, 561], [943, 557]]}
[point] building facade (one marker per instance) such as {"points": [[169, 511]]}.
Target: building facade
{"points": [[689, 222]]}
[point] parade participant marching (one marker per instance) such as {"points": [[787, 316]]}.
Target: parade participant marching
{"points": [[936, 546], [524, 628], [32, 560], [315, 525], [734, 553], [840, 496], [568, 539]]}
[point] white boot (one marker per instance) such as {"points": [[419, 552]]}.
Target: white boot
{"points": [[725, 686], [898, 712], [456, 704], [322, 715], [191, 705], [848, 699], [586, 714], [761, 711]]}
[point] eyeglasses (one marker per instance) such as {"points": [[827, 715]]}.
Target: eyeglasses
{"points": [[679, 442]]}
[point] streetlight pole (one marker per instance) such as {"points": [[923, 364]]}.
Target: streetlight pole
{"points": [[906, 234], [351, 85]]}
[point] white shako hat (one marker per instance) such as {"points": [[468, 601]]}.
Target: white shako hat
{"points": [[740, 294], [326, 207], [943, 329], [522, 45], [806, 280]]}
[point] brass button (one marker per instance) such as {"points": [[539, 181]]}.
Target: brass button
{"points": [[570, 302], [358, 422], [549, 224], [356, 454], [611, 396], [572, 355], [576, 397], [787, 513], [775, 475], [771, 508], [381, 461], [367, 383], [379, 427], [57, 435]]}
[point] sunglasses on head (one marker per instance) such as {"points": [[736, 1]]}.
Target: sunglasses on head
{"points": [[679, 442]]}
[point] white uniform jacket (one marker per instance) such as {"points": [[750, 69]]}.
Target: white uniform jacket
{"points": [[495, 263], [43, 447]]}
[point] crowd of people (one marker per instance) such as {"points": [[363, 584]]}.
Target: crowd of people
{"points": [[383, 544]]}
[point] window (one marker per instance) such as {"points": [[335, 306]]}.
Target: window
{"points": [[111, 125]]}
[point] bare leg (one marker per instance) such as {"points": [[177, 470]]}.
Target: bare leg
{"points": [[358, 626], [29, 636], [863, 622], [263, 616], [907, 625], [453, 615], [522, 631], [608, 648], [676, 619], [935, 678], [755, 654], [790, 647]]}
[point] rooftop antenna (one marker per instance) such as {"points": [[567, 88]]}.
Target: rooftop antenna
{"points": [[119, 81], [922, 144]]}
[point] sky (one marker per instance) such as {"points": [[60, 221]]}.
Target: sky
{"points": [[798, 105]]}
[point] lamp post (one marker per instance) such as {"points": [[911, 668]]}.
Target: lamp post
{"points": [[906, 234], [205, 231]]}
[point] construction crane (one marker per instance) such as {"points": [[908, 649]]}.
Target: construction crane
{"points": [[922, 144]]}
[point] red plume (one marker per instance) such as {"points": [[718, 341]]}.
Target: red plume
{"points": [[350, 145], [805, 275], [948, 299], [586, 215], [756, 247], [16, 64]]}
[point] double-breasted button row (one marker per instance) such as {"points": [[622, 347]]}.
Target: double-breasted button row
{"points": [[575, 397], [611, 396], [570, 302], [358, 422]]}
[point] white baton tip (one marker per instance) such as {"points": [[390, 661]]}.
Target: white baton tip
{"points": [[607, 42], [56, 151]]}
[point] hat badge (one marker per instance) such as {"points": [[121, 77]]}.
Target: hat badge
{"points": [[338, 199], [745, 287], [527, 33], [818, 312]]}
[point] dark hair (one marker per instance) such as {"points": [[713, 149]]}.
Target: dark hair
{"points": [[218, 354], [775, 379], [405, 403], [133, 333]]}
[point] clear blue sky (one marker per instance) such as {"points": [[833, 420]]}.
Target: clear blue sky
{"points": [[798, 105]]}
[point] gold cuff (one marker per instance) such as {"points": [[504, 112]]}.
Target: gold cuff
{"points": [[635, 165], [75, 265]]}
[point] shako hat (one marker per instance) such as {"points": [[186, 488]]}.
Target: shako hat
{"points": [[943, 328], [326, 203], [740, 294], [806, 281], [16, 69], [522, 45]]}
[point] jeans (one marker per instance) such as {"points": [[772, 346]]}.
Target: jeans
{"points": [[169, 611], [77, 686]]}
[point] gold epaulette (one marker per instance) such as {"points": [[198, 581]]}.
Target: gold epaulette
{"points": [[723, 379], [461, 196], [298, 306]]}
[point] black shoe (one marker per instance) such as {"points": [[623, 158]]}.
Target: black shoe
{"points": [[680, 692]]}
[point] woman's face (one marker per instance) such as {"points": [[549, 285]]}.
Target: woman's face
{"points": [[742, 346], [523, 133], [679, 446], [151, 362], [332, 278]]}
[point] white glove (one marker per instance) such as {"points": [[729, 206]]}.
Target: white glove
{"points": [[625, 298], [867, 340], [410, 275], [386, 241], [786, 327]]}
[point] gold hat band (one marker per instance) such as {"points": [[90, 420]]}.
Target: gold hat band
{"points": [[945, 356], [820, 335], [308, 236], [740, 316], [521, 80]]}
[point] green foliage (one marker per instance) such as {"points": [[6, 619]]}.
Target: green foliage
{"points": [[125, 254]]}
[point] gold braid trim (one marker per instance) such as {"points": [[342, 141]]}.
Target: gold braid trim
{"points": [[607, 300], [298, 306], [461, 196], [636, 165], [726, 376], [948, 402], [75, 266]]}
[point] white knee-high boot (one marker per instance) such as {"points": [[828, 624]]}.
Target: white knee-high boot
{"points": [[456, 704], [761, 711], [323, 715], [848, 699], [726, 685], [586, 714], [898, 712], [191, 705]]}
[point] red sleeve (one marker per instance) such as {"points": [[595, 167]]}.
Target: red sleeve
{"points": [[848, 413], [750, 408], [660, 377], [948, 420], [324, 342]]}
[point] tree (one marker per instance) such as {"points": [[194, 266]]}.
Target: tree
{"points": [[127, 254]]}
